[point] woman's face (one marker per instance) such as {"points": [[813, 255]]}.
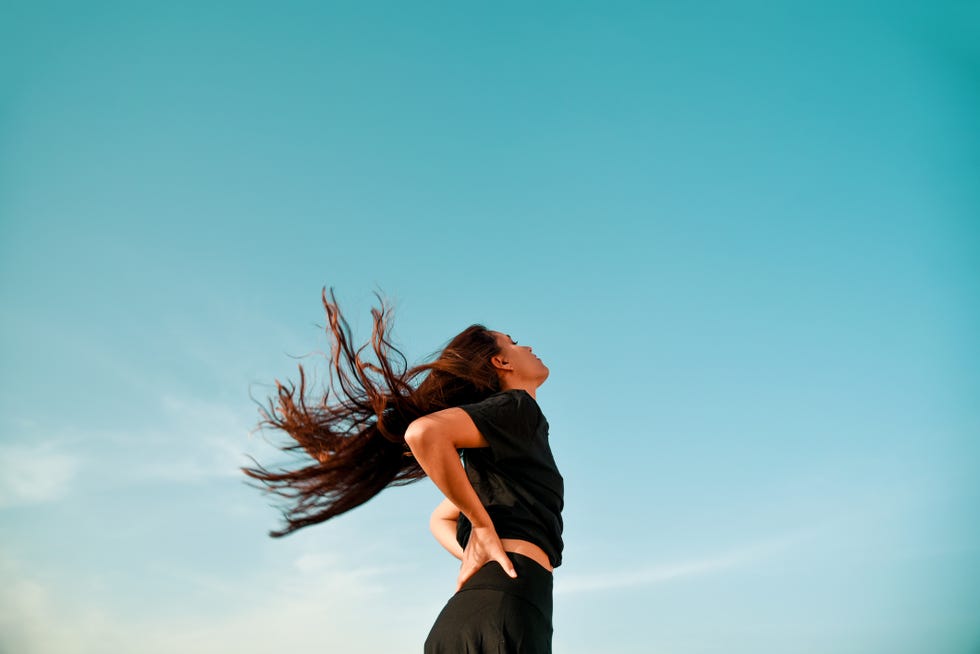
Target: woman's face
{"points": [[517, 364]]}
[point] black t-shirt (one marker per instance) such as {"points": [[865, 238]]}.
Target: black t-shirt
{"points": [[516, 477]]}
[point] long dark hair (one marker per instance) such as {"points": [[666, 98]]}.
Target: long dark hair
{"points": [[356, 439]]}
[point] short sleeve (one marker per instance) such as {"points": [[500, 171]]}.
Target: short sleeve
{"points": [[506, 420]]}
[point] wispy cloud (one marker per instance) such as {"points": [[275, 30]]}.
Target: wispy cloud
{"points": [[35, 472], [189, 440], [647, 575], [34, 619], [316, 602], [202, 440]]}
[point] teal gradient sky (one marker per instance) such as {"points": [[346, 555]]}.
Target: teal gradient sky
{"points": [[744, 236]]}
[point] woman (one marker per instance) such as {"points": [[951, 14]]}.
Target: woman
{"points": [[502, 512]]}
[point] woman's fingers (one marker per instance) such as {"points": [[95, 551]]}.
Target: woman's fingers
{"points": [[483, 547], [506, 564]]}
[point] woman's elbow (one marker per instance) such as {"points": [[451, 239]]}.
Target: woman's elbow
{"points": [[416, 435]]}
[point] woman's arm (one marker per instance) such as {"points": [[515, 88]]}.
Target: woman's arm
{"points": [[442, 524], [434, 440]]}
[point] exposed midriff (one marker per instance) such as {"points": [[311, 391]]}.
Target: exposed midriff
{"points": [[529, 550]]}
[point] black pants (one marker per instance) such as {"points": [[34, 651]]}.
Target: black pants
{"points": [[494, 614]]}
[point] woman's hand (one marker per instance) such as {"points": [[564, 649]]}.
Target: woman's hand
{"points": [[483, 546]]}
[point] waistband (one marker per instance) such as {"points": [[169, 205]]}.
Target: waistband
{"points": [[534, 583]]}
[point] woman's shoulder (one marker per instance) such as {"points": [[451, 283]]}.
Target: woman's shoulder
{"points": [[518, 393], [527, 406], [517, 397], [512, 404]]}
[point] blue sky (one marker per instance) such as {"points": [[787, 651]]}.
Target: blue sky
{"points": [[743, 236]]}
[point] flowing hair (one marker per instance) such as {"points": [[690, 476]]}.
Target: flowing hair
{"points": [[356, 438]]}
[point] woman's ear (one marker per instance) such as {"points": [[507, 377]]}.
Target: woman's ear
{"points": [[499, 362]]}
